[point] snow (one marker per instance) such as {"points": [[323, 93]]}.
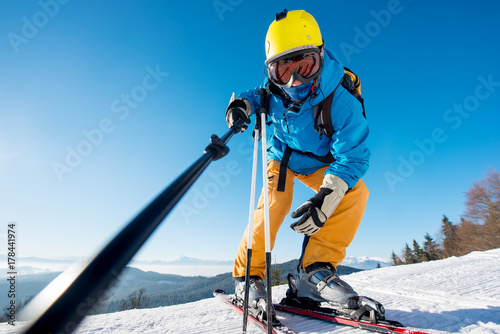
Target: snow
{"points": [[455, 295]]}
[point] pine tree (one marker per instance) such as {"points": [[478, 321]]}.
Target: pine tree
{"points": [[408, 255], [396, 261], [450, 240], [431, 249], [418, 252], [275, 279]]}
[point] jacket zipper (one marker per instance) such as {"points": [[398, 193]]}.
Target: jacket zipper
{"points": [[284, 118]]}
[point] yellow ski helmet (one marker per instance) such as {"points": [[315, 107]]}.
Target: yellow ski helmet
{"points": [[290, 32]]}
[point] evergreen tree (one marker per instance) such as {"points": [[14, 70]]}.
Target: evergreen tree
{"points": [[431, 249], [275, 276], [408, 255], [396, 261], [418, 252], [450, 240]]}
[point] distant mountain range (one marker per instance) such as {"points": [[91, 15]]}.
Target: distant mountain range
{"points": [[185, 261], [365, 262], [183, 265], [181, 260]]}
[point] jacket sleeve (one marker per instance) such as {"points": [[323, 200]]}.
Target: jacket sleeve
{"points": [[349, 142]]}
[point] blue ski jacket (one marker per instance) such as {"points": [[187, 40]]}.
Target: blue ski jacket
{"points": [[295, 129]]}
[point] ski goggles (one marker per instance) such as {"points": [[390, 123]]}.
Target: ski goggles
{"points": [[303, 66]]}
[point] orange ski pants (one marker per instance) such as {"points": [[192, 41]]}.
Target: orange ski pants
{"points": [[327, 245]]}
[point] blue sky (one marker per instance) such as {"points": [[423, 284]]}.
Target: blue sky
{"points": [[104, 103]]}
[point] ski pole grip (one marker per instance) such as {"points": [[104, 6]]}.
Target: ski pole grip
{"points": [[262, 92]]}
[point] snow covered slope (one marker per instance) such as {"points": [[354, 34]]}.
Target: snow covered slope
{"points": [[455, 295]]}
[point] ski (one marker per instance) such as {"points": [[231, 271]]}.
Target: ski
{"points": [[327, 314], [221, 294]]}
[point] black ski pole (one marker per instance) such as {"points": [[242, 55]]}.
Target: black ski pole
{"points": [[62, 311]]}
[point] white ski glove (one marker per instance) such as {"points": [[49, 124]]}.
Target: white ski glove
{"points": [[318, 209]]}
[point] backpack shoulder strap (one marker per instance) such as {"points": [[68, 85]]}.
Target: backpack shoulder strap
{"points": [[323, 116], [322, 111]]}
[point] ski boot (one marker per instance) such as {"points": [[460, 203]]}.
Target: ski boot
{"points": [[257, 299], [322, 285]]}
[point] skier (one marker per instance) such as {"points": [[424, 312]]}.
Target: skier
{"points": [[302, 73]]}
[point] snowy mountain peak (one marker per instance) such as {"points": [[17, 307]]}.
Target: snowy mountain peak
{"points": [[186, 260], [183, 259], [366, 262]]}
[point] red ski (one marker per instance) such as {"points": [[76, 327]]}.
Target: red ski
{"points": [[378, 327]]}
